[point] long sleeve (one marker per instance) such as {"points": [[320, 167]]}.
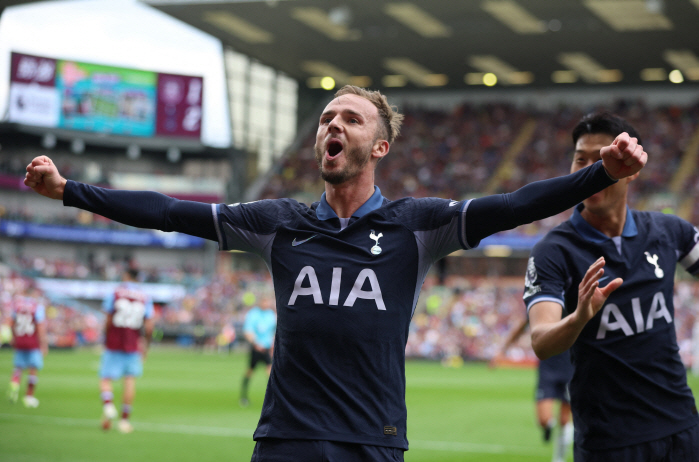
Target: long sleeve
{"points": [[535, 201], [143, 209]]}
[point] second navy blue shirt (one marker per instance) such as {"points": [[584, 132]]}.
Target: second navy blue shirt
{"points": [[629, 384]]}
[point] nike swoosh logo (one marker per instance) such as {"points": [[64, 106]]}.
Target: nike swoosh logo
{"points": [[452, 203], [295, 242]]}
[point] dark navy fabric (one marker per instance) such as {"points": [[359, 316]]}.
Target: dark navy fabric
{"points": [[281, 450], [629, 384], [344, 297], [679, 447], [554, 375]]}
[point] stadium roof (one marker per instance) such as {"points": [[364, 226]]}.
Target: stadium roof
{"points": [[453, 43]]}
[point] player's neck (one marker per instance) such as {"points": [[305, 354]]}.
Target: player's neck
{"points": [[347, 197], [609, 221]]}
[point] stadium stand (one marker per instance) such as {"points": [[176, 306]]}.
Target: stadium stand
{"points": [[464, 152]]}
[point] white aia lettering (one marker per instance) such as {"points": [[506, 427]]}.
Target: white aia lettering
{"points": [[313, 288], [658, 309]]}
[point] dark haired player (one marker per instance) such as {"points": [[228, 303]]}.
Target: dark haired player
{"points": [[347, 273], [629, 392], [128, 330]]}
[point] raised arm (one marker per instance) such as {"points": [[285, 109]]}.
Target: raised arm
{"points": [[552, 335], [542, 199], [142, 209]]}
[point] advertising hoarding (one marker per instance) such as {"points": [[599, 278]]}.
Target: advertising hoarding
{"points": [[55, 93]]}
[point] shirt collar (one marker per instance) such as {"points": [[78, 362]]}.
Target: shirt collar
{"points": [[325, 212], [588, 232]]}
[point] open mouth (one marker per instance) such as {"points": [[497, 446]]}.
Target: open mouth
{"points": [[334, 148]]}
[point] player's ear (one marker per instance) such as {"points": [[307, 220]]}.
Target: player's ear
{"points": [[380, 149]]}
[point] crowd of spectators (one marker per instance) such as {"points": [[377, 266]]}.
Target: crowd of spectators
{"points": [[456, 154], [37, 267]]}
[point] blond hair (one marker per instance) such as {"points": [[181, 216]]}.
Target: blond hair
{"points": [[391, 119]]}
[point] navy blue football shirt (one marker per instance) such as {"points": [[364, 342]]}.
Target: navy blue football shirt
{"points": [[629, 385], [345, 288], [349, 293]]}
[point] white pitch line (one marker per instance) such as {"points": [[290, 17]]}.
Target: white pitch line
{"points": [[448, 446], [145, 426]]}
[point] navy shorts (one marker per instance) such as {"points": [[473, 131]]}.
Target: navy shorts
{"points": [[259, 356], [283, 450], [554, 375], [680, 447]]}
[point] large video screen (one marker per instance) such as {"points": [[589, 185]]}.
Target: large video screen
{"points": [[56, 93]]}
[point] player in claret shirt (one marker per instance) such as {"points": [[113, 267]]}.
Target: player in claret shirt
{"points": [[128, 330], [30, 344], [347, 272], [602, 285]]}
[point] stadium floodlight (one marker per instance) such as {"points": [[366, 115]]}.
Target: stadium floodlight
{"points": [[506, 73], [238, 27], [629, 15], [317, 19], [417, 19], [327, 83], [511, 14], [684, 60], [490, 79], [676, 76], [326, 69]]}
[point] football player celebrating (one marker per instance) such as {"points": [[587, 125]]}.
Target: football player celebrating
{"points": [[129, 312], [30, 343], [347, 272], [629, 392]]}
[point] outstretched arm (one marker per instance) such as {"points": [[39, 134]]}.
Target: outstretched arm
{"points": [[142, 209], [552, 335], [541, 199]]}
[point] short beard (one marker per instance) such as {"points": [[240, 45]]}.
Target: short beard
{"points": [[356, 160]]}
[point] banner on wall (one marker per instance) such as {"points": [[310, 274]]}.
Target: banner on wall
{"points": [[55, 93]]}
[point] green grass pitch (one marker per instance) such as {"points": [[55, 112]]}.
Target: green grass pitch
{"points": [[187, 409]]}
